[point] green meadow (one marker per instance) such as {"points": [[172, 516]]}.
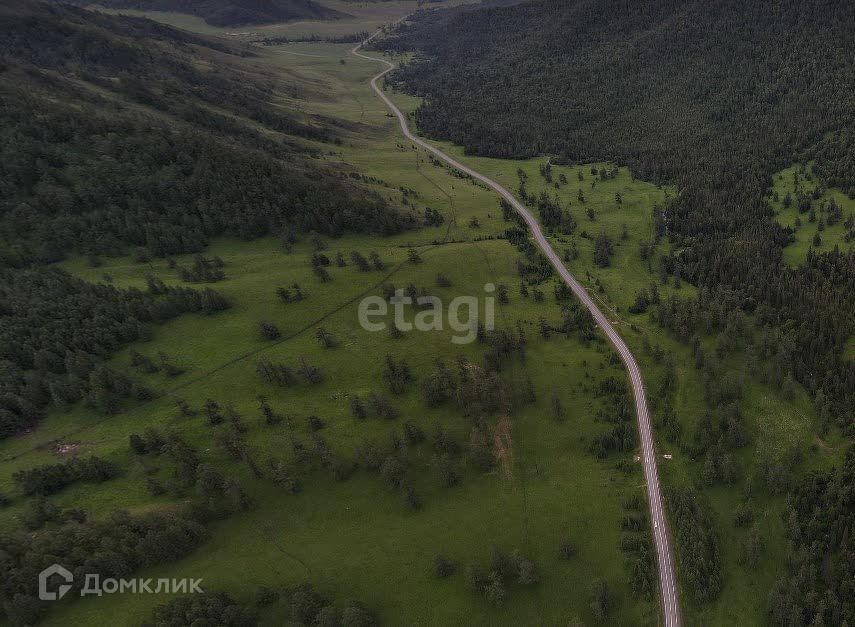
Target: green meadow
{"points": [[354, 538], [811, 227]]}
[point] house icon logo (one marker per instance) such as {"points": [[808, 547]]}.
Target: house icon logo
{"points": [[52, 572]]}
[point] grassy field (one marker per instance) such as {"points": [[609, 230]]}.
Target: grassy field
{"points": [[806, 224], [355, 539]]}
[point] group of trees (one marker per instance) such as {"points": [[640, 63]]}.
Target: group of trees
{"points": [[603, 250], [320, 262], [164, 364], [575, 318], [479, 392], [40, 511], [637, 543], [697, 543], [397, 375], [817, 588], [286, 376], [552, 215], [311, 607], [114, 547], [209, 607], [51, 478], [219, 496], [204, 270], [55, 330], [504, 570], [293, 294], [534, 268], [374, 262], [618, 412], [213, 494]]}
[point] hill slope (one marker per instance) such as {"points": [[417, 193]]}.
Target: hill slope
{"points": [[140, 143], [122, 134], [231, 12]]}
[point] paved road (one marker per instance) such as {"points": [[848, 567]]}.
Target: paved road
{"points": [[665, 557]]}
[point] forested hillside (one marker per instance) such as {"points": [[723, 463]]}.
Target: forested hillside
{"points": [[229, 12], [713, 96], [114, 138]]}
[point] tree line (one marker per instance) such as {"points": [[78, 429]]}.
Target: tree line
{"points": [[56, 330], [115, 547]]}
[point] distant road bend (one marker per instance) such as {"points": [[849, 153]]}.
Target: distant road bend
{"points": [[665, 559]]}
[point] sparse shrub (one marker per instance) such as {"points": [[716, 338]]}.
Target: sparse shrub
{"points": [[443, 567], [566, 549], [265, 596]]}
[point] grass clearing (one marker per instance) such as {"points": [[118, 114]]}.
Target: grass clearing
{"points": [[811, 221]]}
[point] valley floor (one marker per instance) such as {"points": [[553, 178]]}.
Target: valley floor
{"points": [[357, 538]]}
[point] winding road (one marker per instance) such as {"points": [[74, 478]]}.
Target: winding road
{"points": [[665, 558]]}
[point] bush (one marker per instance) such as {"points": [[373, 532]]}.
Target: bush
{"points": [[356, 615], [265, 596], [306, 603], [443, 567], [207, 608], [600, 600], [269, 331], [744, 515], [566, 549], [52, 478]]}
